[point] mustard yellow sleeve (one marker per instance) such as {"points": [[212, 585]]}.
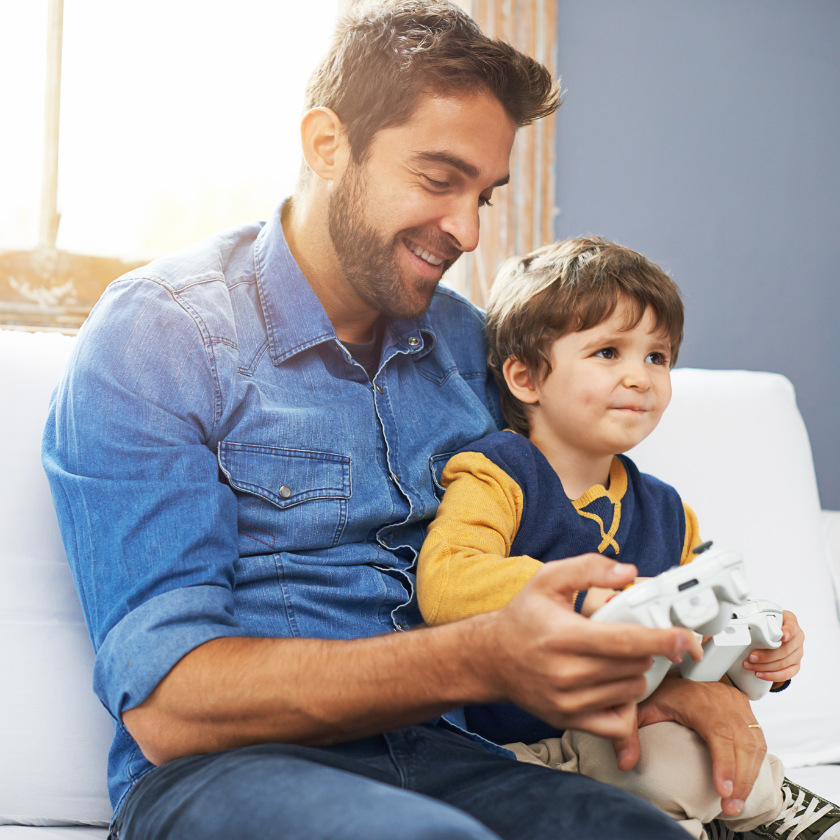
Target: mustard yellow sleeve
{"points": [[692, 535], [464, 568]]}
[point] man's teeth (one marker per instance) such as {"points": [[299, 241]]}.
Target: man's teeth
{"points": [[425, 255]]}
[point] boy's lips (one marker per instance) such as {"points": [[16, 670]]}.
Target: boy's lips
{"points": [[636, 409]]}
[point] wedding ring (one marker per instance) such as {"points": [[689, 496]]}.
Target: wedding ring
{"points": [[753, 726]]}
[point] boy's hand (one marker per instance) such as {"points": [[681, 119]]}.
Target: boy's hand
{"points": [[782, 663], [596, 597]]}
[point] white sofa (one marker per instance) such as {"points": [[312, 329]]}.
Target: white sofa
{"points": [[733, 443]]}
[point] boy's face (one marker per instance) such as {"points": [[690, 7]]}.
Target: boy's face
{"points": [[607, 388]]}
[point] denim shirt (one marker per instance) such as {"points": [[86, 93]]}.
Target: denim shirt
{"points": [[221, 466]]}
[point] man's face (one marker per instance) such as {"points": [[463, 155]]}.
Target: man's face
{"points": [[402, 218]]}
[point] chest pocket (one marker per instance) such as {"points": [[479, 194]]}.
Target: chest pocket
{"points": [[289, 499]]}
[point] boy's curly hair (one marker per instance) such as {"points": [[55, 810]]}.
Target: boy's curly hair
{"points": [[567, 287]]}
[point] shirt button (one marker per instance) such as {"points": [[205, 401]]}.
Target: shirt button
{"points": [[413, 341], [378, 388], [285, 491], [395, 478]]}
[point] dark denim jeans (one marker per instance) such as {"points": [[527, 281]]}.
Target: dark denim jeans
{"points": [[418, 783]]}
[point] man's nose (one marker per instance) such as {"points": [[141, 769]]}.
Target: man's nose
{"points": [[462, 224]]}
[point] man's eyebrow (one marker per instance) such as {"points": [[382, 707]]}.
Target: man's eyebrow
{"points": [[456, 163]]}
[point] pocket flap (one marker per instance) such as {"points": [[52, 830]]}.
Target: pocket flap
{"points": [[285, 477]]}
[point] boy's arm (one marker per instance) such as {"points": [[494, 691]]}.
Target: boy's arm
{"points": [[464, 568], [692, 535]]}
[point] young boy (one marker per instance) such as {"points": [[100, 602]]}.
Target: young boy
{"points": [[583, 335]]}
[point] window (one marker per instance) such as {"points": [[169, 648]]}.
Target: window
{"points": [[165, 122], [177, 119]]}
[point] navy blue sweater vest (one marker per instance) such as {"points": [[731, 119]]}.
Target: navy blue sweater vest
{"points": [[650, 534]]}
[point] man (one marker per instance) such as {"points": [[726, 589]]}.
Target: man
{"points": [[244, 454]]}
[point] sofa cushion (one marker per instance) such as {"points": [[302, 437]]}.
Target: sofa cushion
{"points": [[734, 445], [54, 733]]}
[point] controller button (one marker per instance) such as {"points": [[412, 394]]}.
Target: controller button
{"points": [[697, 609]]}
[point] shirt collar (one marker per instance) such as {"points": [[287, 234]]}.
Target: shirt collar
{"points": [[294, 317]]}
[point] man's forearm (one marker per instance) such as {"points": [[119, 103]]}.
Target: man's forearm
{"points": [[236, 691], [536, 652]]}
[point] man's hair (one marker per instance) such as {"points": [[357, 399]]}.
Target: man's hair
{"points": [[568, 287], [385, 56]]}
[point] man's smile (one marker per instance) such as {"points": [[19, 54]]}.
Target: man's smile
{"points": [[430, 263]]}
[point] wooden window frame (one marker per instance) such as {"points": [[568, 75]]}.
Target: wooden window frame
{"points": [[523, 213]]}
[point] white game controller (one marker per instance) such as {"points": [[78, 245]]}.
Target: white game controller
{"points": [[701, 595], [756, 625]]}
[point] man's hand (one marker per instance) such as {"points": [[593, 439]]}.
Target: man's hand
{"points": [[781, 663], [567, 670], [722, 716]]}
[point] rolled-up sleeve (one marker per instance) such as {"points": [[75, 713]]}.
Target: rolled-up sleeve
{"points": [[148, 528]]}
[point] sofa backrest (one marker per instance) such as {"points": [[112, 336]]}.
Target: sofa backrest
{"points": [[735, 446]]}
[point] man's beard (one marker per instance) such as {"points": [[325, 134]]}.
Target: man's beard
{"points": [[370, 265]]}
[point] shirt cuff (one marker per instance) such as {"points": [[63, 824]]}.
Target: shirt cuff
{"points": [[146, 644], [579, 598]]}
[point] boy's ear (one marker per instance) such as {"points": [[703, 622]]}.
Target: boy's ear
{"points": [[519, 381], [324, 143]]}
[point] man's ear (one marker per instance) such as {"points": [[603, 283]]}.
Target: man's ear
{"points": [[519, 381], [325, 147]]}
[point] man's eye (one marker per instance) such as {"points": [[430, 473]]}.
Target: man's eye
{"points": [[484, 202], [438, 185], [606, 353], [656, 359]]}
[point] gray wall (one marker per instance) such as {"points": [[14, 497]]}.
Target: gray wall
{"points": [[706, 134]]}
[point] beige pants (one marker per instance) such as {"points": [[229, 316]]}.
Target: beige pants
{"points": [[674, 773]]}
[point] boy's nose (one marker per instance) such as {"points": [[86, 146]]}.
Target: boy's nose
{"points": [[636, 376]]}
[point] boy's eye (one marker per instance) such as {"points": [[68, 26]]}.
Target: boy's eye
{"points": [[606, 353], [484, 202], [656, 359]]}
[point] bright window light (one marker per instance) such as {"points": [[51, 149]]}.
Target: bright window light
{"points": [[178, 117]]}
